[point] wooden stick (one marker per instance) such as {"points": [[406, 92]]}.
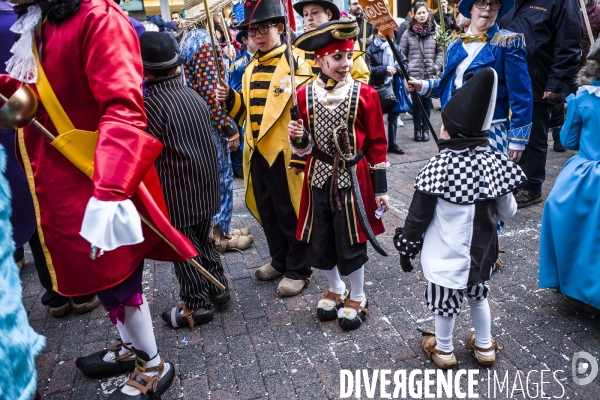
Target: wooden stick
{"points": [[587, 22]]}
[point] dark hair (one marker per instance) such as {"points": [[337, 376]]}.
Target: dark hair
{"points": [[58, 10], [417, 3], [175, 12], [429, 21]]}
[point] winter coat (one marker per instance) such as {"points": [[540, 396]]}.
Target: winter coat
{"points": [[432, 50], [553, 32], [375, 63]]}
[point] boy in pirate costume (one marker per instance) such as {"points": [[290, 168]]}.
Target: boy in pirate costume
{"points": [[316, 13], [460, 195], [272, 190], [340, 120]]}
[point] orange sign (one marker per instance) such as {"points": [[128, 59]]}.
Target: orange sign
{"points": [[378, 13]]}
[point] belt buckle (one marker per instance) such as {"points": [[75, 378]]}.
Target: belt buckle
{"points": [[140, 364]]}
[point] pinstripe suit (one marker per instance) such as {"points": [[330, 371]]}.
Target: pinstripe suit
{"points": [[188, 173]]}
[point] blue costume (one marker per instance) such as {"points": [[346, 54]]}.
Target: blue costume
{"points": [[505, 52], [19, 344], [570, 236]]}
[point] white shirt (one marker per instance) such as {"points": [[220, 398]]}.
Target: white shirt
{"points": [[332, 99]]}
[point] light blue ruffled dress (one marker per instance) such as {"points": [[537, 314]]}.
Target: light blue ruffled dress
{"points": [[19, 343], [570, 238]]}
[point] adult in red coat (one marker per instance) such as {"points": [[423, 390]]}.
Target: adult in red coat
{"points": [[89, 53], [340, 119]]}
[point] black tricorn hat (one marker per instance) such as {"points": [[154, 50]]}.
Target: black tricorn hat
{"points": [[328, 33], [470, 111], [326, 4], [158, 51], [256, 11]]}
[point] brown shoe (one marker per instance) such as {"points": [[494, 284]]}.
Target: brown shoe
{"points": [[499, 263], [267, 273], [86, 307], [237, 243], [291, 287], [428, 345], [240, 232], [482, 359], [61, 311]]}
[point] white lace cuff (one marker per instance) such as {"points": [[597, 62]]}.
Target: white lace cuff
{"points": [[516, 146], [424, 88], [111, 224], [301, 152], [381, 165]]}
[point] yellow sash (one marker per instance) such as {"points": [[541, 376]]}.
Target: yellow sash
{"points": [[76, 145]]}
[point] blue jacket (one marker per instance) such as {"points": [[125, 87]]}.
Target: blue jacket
{"points": [[236, 71], [505, 53], [553, 31]]}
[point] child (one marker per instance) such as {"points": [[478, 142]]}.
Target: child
{"points": [[336, 108], [188, 172], [460, 195]]}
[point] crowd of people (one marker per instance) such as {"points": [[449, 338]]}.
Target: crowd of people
{"points": [[154, 120]]}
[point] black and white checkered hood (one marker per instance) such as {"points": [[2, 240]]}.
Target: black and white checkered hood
{"points": [[466, 176]]}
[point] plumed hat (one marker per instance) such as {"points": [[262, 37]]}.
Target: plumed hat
{"points": [[257, 11], [464, 7], [158, 51], [470, 111], [326, 4], [331, 37]]}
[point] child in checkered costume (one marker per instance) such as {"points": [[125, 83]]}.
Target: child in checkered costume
{"points": [[460, 196]]}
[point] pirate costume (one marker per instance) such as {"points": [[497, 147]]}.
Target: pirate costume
{"points": [[345, 149], [461, 193], [272, 190], [359, 71]]}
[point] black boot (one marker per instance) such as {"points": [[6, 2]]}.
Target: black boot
{"points": [[418, 135], [425, 133]]}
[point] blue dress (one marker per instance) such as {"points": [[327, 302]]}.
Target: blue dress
{"points": [[570, 238]]}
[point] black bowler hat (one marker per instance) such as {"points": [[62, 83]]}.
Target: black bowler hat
{"points": [[326, 4], [470, 111], [330, 36], [258, 11], [159, 51]]}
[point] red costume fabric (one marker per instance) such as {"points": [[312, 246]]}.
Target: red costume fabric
{"points": [[93, 63], [370, 136]]}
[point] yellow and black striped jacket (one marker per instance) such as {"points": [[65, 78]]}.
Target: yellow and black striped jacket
{"points": [[264, 105]]}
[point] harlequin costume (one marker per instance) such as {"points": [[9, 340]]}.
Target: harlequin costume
{"points": [[333, 196], [359, 71], [272, 190], [110, 124], [200, 73], [461, 193]]}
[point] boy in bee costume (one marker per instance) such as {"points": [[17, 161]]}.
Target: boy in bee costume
{"points": [[272, 189], [341, 131]]}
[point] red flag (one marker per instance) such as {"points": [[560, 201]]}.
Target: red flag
{"points": [[289, 9]]}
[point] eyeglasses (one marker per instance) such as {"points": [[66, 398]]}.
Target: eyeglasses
{"points": [[482, 5], [263, 29]]}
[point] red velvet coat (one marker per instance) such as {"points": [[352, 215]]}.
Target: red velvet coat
{"points": [[93, 63], [370, 136]]}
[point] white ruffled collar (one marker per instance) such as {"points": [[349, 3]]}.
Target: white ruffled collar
{"points": [[591, 89]]}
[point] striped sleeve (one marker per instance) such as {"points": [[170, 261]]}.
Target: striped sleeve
{"points": [[236, 106]]}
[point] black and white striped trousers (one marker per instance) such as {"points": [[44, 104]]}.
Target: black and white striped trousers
{"points": [[447, 302], [195, 288]]}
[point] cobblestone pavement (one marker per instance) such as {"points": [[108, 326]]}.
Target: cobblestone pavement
{"points": [[264, 346]]}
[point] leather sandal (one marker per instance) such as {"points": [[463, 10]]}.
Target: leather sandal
{"points": [[499, 263], [428, 345], [485, 360], [240, 232], [95, 367], [329, 305], [352, 314], [151, 387], [189, 318]]}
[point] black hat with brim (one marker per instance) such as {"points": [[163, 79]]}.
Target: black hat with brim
{"points": [[260, 11], [470, 110], [326, 4], [158, 51], [327, 33]]}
